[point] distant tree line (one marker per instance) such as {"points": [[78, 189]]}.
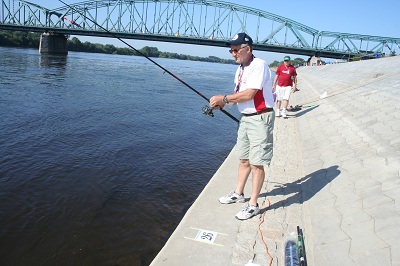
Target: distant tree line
{"points": [[296, 62], [32, 40], [19, 39]]}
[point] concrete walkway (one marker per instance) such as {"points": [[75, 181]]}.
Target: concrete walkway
{"points": [[335, 173]]}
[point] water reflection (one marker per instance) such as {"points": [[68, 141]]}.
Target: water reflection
{"points": [[53, 67], [53, 61]]}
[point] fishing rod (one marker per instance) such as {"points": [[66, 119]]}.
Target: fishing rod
{"points": [[300, 247], [206, 109]]}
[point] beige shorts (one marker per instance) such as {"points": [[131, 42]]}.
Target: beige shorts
{"points": [[255, 138], [283, 93]]}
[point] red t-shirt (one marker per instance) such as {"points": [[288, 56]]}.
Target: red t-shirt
{"points": [[285, 75]]}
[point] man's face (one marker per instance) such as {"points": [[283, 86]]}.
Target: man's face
{"points": [[240, 53], [286, 62]]}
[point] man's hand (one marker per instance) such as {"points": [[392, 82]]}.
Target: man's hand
{"points": [[217, 102]]}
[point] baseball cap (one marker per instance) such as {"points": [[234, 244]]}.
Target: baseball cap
{"points": [[286, 58], [240, 38]]}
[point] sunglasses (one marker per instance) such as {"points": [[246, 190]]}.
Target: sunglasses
{"points": [[237, 50]]}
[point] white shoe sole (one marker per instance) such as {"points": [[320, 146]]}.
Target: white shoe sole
{"points": [[229, 202], [246, 218]]}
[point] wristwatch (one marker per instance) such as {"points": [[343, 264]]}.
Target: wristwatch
{"points": [[226, 99]]}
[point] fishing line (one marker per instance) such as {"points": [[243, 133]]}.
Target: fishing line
{"points": [[206, 110]]}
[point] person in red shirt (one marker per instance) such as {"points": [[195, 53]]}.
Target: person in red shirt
{"points": [[286, 77]]}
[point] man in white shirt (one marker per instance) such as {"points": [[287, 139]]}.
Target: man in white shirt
{"points": [[253, 96]]}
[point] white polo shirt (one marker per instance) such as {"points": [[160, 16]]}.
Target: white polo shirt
{"points": [[257, 75]]}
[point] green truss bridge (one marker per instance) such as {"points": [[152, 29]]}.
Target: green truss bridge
{"points": [[200, 22]]}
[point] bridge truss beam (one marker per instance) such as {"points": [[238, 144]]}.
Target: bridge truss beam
{"points": [[201, 22]]}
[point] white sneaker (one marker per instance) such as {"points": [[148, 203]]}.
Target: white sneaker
{"points": [[278, 113], [284, 113], [232, 197], [247, 212]]}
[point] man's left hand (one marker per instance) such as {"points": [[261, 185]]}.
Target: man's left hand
{"points": [[217, 102]]}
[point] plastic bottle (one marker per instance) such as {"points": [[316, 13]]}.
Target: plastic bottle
{"points": [[291, 256]]}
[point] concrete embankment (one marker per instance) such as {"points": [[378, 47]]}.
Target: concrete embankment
{"points": [[335, 173]]}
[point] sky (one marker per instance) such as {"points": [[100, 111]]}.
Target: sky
{"points": [[378, 18]]}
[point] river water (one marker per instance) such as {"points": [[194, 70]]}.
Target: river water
{"points": [[102, 155]]}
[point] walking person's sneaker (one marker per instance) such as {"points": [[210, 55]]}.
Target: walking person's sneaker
{"points": [[278, 113], [247, 212], [284, 113], [232, 197]]}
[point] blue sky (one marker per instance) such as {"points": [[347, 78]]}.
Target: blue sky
{"points": [[367, 17]]}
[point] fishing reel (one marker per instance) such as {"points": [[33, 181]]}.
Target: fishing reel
{"points": [[207, 110]]}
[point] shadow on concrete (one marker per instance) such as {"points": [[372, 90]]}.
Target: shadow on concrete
{"points": [[303, 111], [303, 189]]}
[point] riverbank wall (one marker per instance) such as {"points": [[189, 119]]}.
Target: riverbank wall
{"points": [[335, 175]]}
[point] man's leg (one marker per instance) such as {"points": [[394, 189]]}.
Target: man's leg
{"points": [[252, 208], [243, 175], [278, 92], [278, 104], [285, 104], [242, 149], [258, 181], [278, 108], [286, 96]]}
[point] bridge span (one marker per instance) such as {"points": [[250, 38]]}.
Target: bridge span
{"points": [[200, 22]]}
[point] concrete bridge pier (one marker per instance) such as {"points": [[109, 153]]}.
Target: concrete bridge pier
{"points": [[51, 43]]}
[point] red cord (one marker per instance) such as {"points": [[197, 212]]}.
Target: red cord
{"points": [[262, 238]]}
